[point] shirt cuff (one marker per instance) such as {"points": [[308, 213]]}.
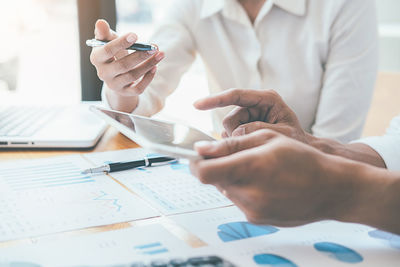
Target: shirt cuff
{"points": [[143, 107], [104, 99], [388, 147]]}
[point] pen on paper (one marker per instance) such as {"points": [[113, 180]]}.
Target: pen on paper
{"points": [[128, 165]]}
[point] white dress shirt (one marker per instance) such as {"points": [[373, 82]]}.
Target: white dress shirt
{"points": [[319, 55], [387, 146]]}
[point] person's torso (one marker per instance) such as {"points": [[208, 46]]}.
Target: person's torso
{"points": [[281, 51]]}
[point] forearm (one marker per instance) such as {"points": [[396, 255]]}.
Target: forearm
{"points": [[373, 197], [121, 103], [358, 152]]}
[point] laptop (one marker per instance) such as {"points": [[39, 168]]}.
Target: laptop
{"points": [[49, 127]]}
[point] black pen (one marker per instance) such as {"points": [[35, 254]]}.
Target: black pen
{"points": [[135, 46], [123, 166]]}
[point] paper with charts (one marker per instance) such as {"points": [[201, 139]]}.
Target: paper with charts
{"points": [[51, 195], [170, 188], [138, 243], [326, 243]]}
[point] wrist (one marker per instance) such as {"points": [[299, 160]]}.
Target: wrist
{"points": [[357, 151], [120, 102], [328, 146], [342, 189], [369, 196], [382, 205]]}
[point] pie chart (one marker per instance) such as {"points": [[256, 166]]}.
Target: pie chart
{"points": [[242, 230], [394, 240], [339, 252], [273, 260]]}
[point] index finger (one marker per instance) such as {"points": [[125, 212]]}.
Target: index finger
{"points": [[238, 97], [247, 98], [115, 46], [228, 170]]}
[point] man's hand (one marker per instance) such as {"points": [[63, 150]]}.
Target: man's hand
{"points": [[256, 110], [125, 74], [277, 180]]}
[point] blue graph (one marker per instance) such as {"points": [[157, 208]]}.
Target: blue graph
{"points": [[151, 249], [273, 260], [143, 169], [180, 167], [174, 165], [339, 252], [104, 197], [42, 176], [394, 240], [242, 230]]}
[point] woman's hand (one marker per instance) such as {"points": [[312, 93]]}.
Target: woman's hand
{"points": [[125, 74]]}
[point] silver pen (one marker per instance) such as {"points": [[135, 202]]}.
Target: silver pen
{"points": [[135, 46]]}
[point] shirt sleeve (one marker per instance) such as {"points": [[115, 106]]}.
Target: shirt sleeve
{"points": [[387, 146], [350, 72], [173, 37]]}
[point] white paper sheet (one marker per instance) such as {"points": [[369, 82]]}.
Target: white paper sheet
{"points": [[326, 243], [51, 195], [140, 243], [170, 188]]}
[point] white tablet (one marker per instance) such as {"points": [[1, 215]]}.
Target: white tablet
{"points": [[169, 138]]}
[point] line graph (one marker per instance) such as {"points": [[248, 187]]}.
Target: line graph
{"points": [[113, 201], [51, 195]]}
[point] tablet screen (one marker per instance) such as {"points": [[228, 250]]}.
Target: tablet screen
{"points": [[157, 131]]}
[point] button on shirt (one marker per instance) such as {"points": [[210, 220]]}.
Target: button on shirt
{"points": [[387, 146], [320, 56]]}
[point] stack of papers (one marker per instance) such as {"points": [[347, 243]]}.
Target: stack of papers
{"points": [[42, 197]]}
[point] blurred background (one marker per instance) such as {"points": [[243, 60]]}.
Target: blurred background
{"points": [[43, 58]]}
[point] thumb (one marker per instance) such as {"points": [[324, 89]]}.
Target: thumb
{"points": [[103, 31], [233, 145]]}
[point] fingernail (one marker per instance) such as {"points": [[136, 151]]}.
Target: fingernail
{"points": [[160, 56], [131, 38], [151, 52]]}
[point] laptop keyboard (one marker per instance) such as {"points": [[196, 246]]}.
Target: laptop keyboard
{"points": [[20, 121]]}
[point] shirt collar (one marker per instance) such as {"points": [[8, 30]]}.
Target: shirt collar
{"points": [[211, 7], [296, 7]]}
